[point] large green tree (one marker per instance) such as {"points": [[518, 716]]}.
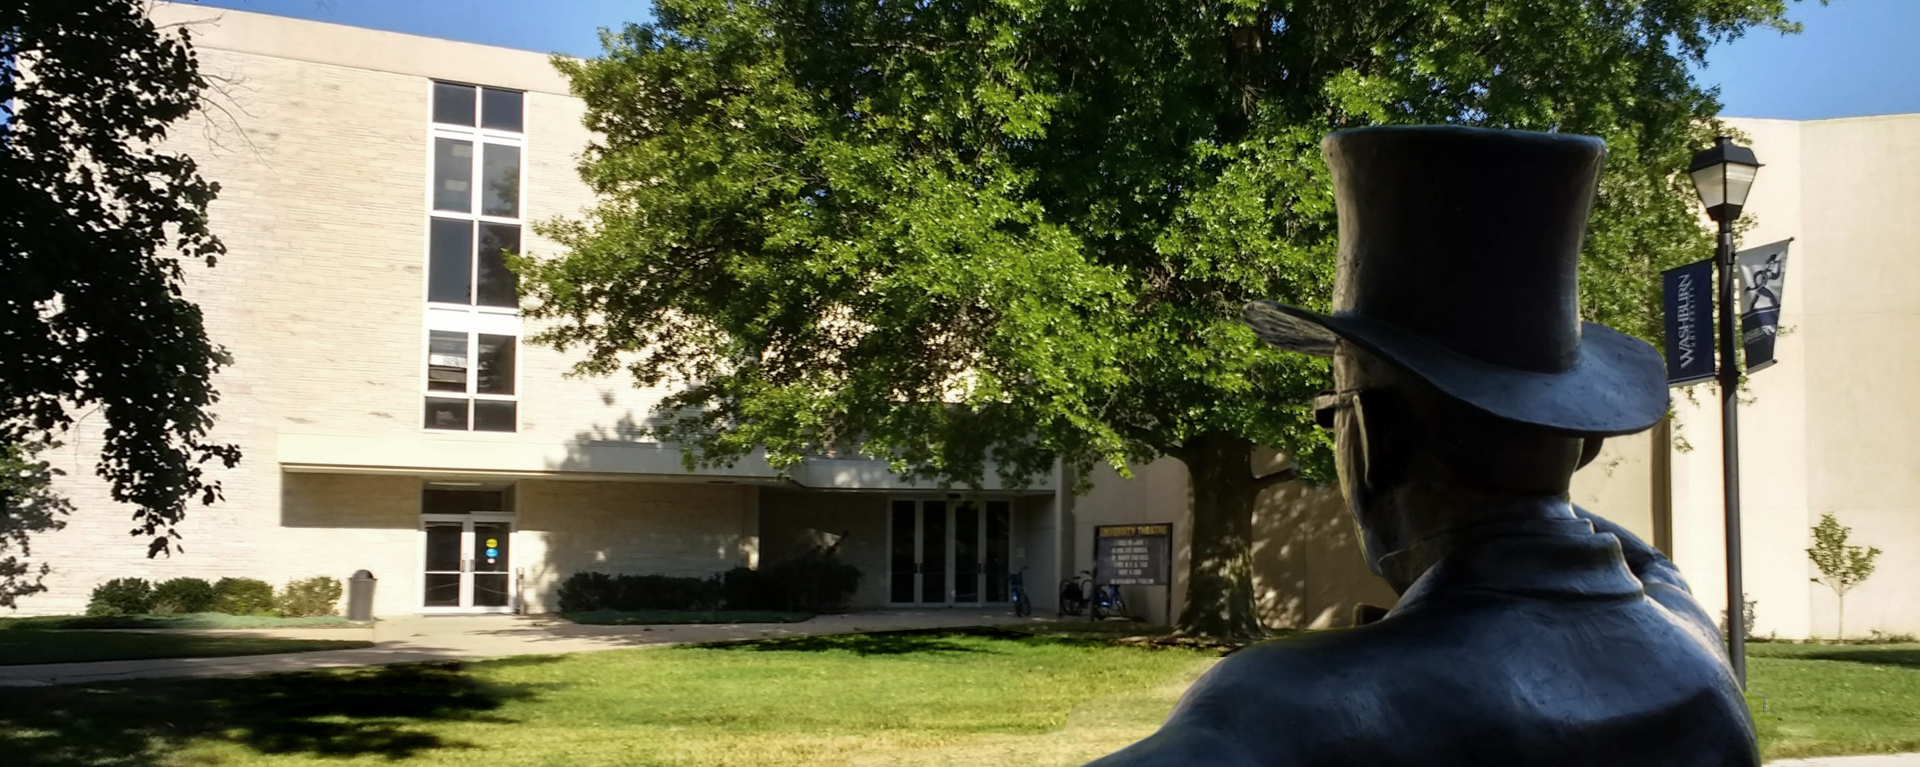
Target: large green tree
{"points": [[979, 235], [96, 220]]}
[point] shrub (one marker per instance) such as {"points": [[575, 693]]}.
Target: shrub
{"points": [[182, 595], [666, 592], [242, 596], [586, 592], [748, 589], [1746, 617], [121, 596], [814, 581], [308, 598]]}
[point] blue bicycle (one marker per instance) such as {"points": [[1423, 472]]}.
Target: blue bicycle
{"points": [[1107, 601], [1017, 585]]}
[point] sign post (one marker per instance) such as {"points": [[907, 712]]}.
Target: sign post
{"points": [[1135, 555]]}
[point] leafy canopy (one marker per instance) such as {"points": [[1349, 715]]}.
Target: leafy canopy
{"points": [[961, 234], [95, 221]]}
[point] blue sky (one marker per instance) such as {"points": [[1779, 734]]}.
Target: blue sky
{"points": [[1856, 57]]}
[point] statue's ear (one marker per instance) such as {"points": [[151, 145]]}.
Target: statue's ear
{"points": [[1589, 451]]}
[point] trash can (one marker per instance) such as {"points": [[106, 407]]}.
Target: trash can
{"points": [[360, 596]]}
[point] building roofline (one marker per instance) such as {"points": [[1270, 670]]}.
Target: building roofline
{"points": [[378, 50]]}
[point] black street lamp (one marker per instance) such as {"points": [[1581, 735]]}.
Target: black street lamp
{"points": [[1723, 175]]}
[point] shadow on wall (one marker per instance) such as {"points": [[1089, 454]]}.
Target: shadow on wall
{"points": [[793, 521], [374, 712], [1308, 568], [625, 431]]}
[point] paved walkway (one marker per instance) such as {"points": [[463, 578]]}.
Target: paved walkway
{"points": [[422, 639]]}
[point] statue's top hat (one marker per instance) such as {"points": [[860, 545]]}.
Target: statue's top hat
{"points": [[1460, 263]]}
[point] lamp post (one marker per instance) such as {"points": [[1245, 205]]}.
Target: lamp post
{"points": [[1723, 175]]}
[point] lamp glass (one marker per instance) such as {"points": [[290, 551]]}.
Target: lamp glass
{"points": [[1711, 183], [1739, 180]]}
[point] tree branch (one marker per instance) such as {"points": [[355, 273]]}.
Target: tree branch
{"points": [[1288, 474]]}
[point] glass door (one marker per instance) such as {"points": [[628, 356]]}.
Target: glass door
{"points": [[466, 565], [948, 553]]}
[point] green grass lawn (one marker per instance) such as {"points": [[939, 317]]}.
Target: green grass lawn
{"points": [[672, 617], [1835, 699], [879, 699], [186, 621], [980, 699], [19, 648]]}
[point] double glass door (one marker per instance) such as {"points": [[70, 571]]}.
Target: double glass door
{"points": [[949, 552], [467, 558]]}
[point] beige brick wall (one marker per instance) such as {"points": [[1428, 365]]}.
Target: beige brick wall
{"points": [[684, 529], [320, 300]]}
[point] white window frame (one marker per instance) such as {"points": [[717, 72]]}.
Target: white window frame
{"points": [[479, 138], [470, 318], [454, 322]]}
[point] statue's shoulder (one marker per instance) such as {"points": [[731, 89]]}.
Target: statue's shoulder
{"points": [[1311, 673]]}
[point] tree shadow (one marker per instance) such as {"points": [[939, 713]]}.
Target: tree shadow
{"points": [[921, 642], [1906, 657], [333, 714]]}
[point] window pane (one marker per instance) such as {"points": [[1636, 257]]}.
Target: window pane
{"points": [[434, 500], [901, 559], [498, 285], [443, 413], [446, 361], [496, 365], [501, 197], [453, 104], [999, 522], [966, 553], [492, 415], [490, 590], [449, 268], [500, 109], [452, 175], [443, 546], [442, 590], [490, 541], [933, 551]]}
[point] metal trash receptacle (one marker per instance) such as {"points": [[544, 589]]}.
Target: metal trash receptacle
{"points": [[360, 596]]}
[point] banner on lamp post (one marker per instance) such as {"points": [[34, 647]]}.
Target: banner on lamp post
{"points": [[1688, 298], [1763, 280]]}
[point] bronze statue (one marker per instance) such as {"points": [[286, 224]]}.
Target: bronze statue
{"points": [[1466, 393]]}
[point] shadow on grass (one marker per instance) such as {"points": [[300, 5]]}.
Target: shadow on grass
{"points": [[332, 714], [920, 642], [1906, 657]]}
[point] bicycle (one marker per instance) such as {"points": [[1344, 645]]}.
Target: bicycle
{"points": [[1107, 601], [1074, 597], [1017, 587]]}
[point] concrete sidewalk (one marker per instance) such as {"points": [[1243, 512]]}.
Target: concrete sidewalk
{"points": [[421, 639]]}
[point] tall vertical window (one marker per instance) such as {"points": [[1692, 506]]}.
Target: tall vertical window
{"points": [[473, 220], [475, 200]]}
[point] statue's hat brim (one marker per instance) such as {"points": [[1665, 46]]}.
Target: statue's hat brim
{"points": [[1616, 384]]}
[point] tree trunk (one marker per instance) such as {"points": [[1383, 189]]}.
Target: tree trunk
{"points": [[1220, 600], [1841, 634]]}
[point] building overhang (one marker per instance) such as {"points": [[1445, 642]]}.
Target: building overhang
{"points": [[508, 455]]}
